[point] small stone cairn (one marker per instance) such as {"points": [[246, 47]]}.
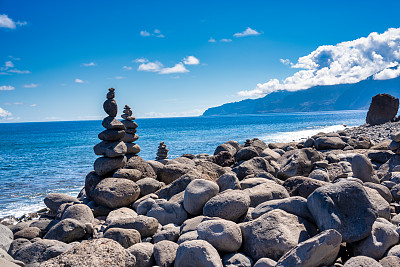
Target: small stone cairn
{"points": [[162, 152], [131, 129], [111, 148]]}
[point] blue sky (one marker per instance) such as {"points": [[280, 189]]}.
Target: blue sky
{"points": [[58, 58]]}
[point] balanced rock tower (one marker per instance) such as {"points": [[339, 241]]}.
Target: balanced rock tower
{"points": [[111, 148], [131, 129], [162, 152]]}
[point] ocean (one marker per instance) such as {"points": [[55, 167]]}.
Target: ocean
{"points": [[44, 157]]}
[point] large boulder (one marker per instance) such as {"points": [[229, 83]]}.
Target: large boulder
{"points": [[297, 162], [95, 252], [320, 250], [165, 253], [41, 250], [253, 166], [79, 212], [168, 212], [67, 230], [172, 172], [197, 253], [264, 192], [273, 234], [329, 142], [126, 237], [302, 186], [383, 108], [146, 226], [223, 235], [28, 233], [227, 181], [229, 205], [104, 166], [345, 207], [149, 185], [54, 200], [115, 192], [197, 193], [382, 237], [143, 253], [363, 169], [6, 237]]}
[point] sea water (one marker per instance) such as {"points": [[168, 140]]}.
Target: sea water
{"points": [[45, 157]]}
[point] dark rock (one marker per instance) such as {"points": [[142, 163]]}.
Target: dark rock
{"points": [[115, 192], [126, 237], [110, 107], [324, 142], [172, 172], [111, 123], [168, 212], [17, 244], [132, 148], [237, 259], [361, 261], [246, 153], [253, 166], [104, 166], [228, 181], [54, 200], [91, 180], [143, 253], [110, 149], [149, 185], [111, 135], [197, 253], [297, 162], [146, 226], [363, 169], [383, 108], [130, 174], [136, 162], [197, 193], [28, 233], [165, 253], [345, 207], [79, 212], [130, 138], [176, 187], [264, 192], [67, 230], [302, 186]]}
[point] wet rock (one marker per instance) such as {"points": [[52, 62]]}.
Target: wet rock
{"points": [[319, 250], [345, 207], [197, 193], [197, 253], [115, 192]]}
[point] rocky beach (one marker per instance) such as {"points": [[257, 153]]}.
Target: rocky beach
{"points": [[329, 200]]}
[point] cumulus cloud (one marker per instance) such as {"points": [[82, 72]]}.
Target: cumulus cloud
{"points": [[178, 68], [6, 22], [248, 32], [191, 60], [31, 85], [6, 88], [80, 81], [4, 114], [8, 68], [346, 62], [33, 105], [285, 61], [211, 40], [91, 64], [150, 66], [144, 33], [225, 40]]}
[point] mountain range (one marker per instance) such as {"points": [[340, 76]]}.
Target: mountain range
{"points": [[354, 96]]}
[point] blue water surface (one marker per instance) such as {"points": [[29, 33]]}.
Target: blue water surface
{"points": [[42, 157]]}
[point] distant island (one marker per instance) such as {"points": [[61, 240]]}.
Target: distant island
{"points": [[354, 96]]}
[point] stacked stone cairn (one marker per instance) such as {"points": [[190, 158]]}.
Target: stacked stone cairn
{"points": [[162, 153], [332, 200], [131, 129]]}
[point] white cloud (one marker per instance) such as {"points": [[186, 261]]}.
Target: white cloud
{"points": [[178, 68], [33, 105], [191, 60], [6, 88], [6, 22], [144, 33], [211, 40], [31, 85], [285, 61], [9, 64], [19, 71], [188, 113], [4, 114], [225, 40], [150, 66], [119, 77], [91, 64], [127, 68], [80, 81], [248, 32], [141, 60], [346, 62], [156, 33]]}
